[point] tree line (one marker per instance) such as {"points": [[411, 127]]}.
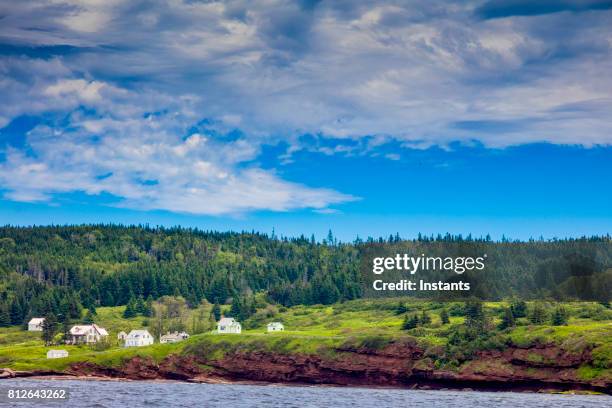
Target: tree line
{"points": [[65, 269]]}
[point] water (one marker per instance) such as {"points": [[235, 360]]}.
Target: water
{"points": [[175, 394]]}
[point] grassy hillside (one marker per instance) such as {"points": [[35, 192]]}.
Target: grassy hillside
{"points": [[323, 328]]}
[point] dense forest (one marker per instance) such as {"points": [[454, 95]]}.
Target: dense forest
{"points": [[63, 269]]}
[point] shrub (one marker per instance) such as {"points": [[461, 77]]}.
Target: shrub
{"points": [[101, 345], [410, 322], [602, 356], [375, 342], [401, 308], [456, 310]]}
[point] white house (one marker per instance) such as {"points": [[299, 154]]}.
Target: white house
{"points": [[36, 324], [173, 337], [275, 326], [138, 338], [57, 354], [228, 325], [87, 334]]}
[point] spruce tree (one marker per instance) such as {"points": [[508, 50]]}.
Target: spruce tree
{"points": [[559, 316], [140, 306], [401, 308], [237, 308], [66, 330], [49, 328], [425, 318], [148, 310], [444, 317], [216, 312], [5, 317], [518, 308], [130, 309], [16, 313], [89, 317], [538, 314], [474, 315], [74, 308], [410, 322], [507, 319]]}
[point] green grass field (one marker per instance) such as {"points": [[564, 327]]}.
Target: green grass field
{"points": [[312, 329]]}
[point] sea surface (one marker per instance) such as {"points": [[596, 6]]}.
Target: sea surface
{"points": [[176, 394]]}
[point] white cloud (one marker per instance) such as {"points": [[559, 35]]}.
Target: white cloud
{"points": [[144, 160], [122, 84], [85, 91], [276, 69]]}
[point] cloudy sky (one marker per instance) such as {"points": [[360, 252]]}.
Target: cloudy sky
{"points": [[365, 117]]}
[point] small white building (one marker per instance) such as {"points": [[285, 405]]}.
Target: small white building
{"points": [[228, 325], [87, 334], [275, 326], [57, 354], [173, 337], [36, 324], [138, 338]]}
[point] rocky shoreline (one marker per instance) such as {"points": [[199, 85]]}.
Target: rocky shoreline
{"points": [[543, 369]]}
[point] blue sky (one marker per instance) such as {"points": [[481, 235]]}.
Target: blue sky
{"points": [[368, 118]]}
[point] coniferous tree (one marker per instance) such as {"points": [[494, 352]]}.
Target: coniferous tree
{"points": [[425, 318], [89, 317], [216, 312], [130, 309], [444, 317], [518, 308], [251, 308], [538, 314], [474, 315], [24, 325], [49, 328], [74, 307], [410, 322], [140, 306], [401, 308], [236, 309], [66, 325], [107, 298], [324, 291], [507, 319], [16, 313], [559, 316], [5, 317], [149, 311]]}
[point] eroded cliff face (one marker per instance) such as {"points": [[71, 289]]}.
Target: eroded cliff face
{"points": [[545, 368], [397, 365]]}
